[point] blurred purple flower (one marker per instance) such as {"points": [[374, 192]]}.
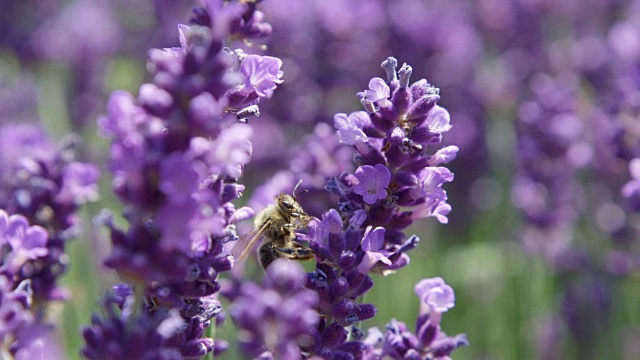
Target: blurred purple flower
{"points": [[177, 150], [350, 128], [435, 296], [631, 190], [129, 335], [37, 341], [81, 31], [228, 153], [79, 185], [23, 241], [276, 319], [15, 302], [46, 185], [372, 182], [23, 329]]}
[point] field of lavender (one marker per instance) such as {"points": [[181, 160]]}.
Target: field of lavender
{"points": [[458, 178]]}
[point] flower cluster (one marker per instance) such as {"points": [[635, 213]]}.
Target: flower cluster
{"points": [[551, 148], [277, 319], [23, 328], [177, 150], [429, 341], [152, 332], [45, 184], [396, 182]]}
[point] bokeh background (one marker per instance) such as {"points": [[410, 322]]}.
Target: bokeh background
{"points": [[542, 243]]}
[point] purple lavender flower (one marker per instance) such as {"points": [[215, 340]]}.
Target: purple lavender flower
{"points": [[397, 135], [396, 182], [127, 335], [22, 324], [277, 320], [429, 341], [372, 244], [177, 151], [350, 128], [262, 74], [372, 182], [23, 242], [14, 307], [436, 298], [47, 186], [378, 93]]}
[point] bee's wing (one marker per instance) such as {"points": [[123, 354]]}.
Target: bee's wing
{"points": [[247, 243]]}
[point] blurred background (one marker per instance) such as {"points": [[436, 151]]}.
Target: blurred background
{"points": [[542, 245]]}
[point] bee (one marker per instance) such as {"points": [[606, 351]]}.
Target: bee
{"points": [[277, 223]]}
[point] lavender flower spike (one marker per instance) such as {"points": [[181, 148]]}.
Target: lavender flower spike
{"points": [[43, 183], [22, 328], [177, 151], [396, 182], [429, 342], [276, 319]]}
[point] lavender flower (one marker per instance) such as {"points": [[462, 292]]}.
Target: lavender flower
{"points": [[394, 168], [365, 234], [47, 186], [372, 182], [378, 92], [436, 298], [176, 153], [262, 74], [372, 243], [124, 335], [23, 242], [23, 328], [429, 341], [276, 320], [350, 128], [545, 187]]}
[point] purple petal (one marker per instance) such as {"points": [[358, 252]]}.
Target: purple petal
{"points": [[439, 119], [373, 239]]}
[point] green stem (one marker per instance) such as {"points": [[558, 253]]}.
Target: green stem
{"points": [[211, 333], [138, 292]]}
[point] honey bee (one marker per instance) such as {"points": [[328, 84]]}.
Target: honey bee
{"points": [[277, 223]]}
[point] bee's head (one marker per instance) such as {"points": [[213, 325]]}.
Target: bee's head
{"points": [[288, 205]]}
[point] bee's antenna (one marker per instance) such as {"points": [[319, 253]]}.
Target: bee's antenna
{"points": [[295, 194]]}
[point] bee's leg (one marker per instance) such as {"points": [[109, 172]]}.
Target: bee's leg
{"points": [[297, 252]]}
